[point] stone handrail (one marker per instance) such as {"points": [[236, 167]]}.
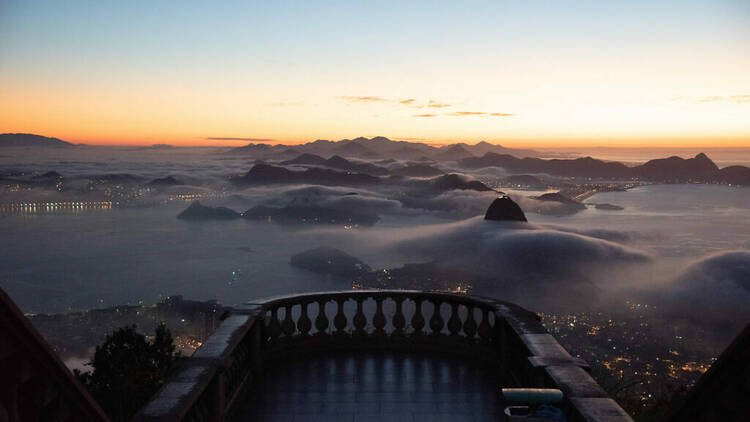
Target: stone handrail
{"points": [[261, 332]]}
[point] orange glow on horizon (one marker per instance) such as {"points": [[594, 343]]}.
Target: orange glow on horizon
{"points": [[522, 75], [122, 119], [548, 143]]}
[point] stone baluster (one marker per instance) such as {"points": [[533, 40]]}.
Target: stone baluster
{"points": [[378, 320], [417, 321], [454, 322], [287, 326], [436, 322], [360, 320], [321, 321], [484, 326], [339, 321], [399, 320], [470, 325], [304, 325]]}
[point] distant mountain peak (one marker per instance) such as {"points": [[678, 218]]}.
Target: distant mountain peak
{"points": [[253, 146], [453, 152], [457, 148], [305, 158], [31, 140], [337, 159], [381, 147], [504, 209]]}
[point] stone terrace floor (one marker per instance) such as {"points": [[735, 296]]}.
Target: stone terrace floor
{"points": [[376, 386]]}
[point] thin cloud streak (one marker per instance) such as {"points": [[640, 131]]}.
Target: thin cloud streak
{"points": [[362, 99], [435, 104], [411, 102], [467, 113]]}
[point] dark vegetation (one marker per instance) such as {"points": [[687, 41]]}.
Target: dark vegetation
{"points": [[128, 370]]}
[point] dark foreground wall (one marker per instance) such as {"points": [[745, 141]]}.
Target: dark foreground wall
{"points": [[35, 385]]}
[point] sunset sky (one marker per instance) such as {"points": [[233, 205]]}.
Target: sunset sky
{"points": [[521, 73]]}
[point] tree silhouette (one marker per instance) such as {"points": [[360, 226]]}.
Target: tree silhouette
{"points": [[128, 370]]}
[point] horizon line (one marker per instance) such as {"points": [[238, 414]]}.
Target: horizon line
{"points": [[646, 142]]}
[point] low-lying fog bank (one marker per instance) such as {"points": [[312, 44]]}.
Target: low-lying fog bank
{"points": [[682, 248]]}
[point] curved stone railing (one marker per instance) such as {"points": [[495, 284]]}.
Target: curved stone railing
{"points": [[379, 319], [258, 333]]}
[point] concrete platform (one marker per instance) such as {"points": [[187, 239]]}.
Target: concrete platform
{"points": [[376, 386]]}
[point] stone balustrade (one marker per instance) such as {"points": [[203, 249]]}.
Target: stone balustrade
{"points": [[267, 332]]}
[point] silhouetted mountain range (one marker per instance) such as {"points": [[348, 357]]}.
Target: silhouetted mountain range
{"points": [[452, 153], [340, 163], [698, 167], [305, 159], [30, 140], [332, 154], [380, 147], [587, 167], [673, 169], [263, 174]]}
